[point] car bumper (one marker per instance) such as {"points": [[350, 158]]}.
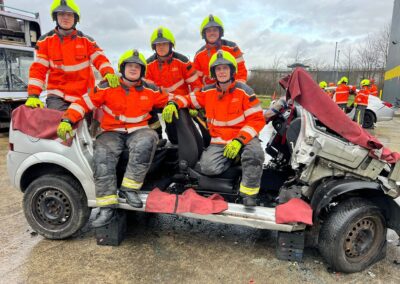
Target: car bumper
{"points": [[384, 114]]}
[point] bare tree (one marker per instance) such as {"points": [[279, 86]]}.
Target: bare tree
{"points": [[300, 55]]}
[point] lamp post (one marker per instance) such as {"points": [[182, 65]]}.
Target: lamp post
{"points": [[334, 62]]}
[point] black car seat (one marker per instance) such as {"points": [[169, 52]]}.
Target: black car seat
{"points": [[189, 152], [189, 139]]}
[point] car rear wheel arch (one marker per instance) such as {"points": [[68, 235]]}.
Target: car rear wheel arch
{"points": [[41, 169]]}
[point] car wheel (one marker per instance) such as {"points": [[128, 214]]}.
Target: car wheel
{"points": [[55, 206], [369, 119], [353, 236]]}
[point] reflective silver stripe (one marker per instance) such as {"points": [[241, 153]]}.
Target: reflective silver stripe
{"points": [[170, 96], [200, 73], [124, 118], [239, 59], [71, 99], [182, 99], [232, 122], [249, 130], [71, 68], [60, 94], [192, 78], [42, 61], [193, 98], [95, 55], [219, 140], [342, 92], [131, 129], [88, 101], [252, 110], [36, 82], [175, 86], [57, 93], [104, 65], [78, 108]]}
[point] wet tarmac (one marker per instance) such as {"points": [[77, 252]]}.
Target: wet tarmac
{"points": [[168, 249]]}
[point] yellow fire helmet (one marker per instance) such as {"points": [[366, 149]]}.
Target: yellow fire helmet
{"points": [[132, 56], [64, 6], [211, 21], [222, 58], [161, 34], [323, 84], [365, 82]]}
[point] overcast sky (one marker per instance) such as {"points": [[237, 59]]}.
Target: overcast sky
{"points": [[263, 29]]}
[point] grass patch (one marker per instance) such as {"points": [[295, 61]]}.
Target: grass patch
{"points": [[265, 100]]}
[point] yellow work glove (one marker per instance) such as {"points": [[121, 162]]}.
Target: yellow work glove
{"points": [[34, 102], [193, 112], [63, 128], [113, 80], [168, 112], [232, 149]]}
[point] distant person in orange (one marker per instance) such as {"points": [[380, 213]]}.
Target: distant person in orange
{"points": [[373, 88], [323, 85], [342, 93], [361, 101]]}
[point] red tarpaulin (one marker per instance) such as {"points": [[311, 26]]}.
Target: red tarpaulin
{"points": [[38, 122], [188, 202], [304, 90], [295, 210]]}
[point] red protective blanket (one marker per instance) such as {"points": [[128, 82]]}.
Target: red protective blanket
{"points": [[301, 87], [37, 122], [295, 210], [189, 201]]}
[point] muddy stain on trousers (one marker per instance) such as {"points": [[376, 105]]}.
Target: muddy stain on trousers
{"points": [[108, 147], [213, 162]]}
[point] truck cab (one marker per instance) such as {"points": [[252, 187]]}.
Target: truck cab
{"points": [[19, 32]]}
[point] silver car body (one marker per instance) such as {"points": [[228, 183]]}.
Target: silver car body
{"points": [[376, 105], [330, 152]]}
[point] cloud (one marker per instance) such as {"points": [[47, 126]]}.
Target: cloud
{"points": [[264, 30]]}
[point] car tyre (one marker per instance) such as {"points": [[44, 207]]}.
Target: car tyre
{"points": [[369, 119], [55, 206], [353, 236]]}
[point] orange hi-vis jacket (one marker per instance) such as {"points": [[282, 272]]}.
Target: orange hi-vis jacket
{"points": [[374, 90], [233, 114], [126, 109], [203, 56], [67, 60], [342, 93], [175, 75], [362, 96]]}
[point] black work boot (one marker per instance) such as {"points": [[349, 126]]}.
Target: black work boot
{"points": [[132, 198], [105, 217], [250, 201]]}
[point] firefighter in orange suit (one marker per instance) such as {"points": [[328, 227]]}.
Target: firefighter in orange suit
{"points": [[212, 31], [65, 55], [126, 125], [235, 119], [342, 92], [171, 71], [323, 85], [361, 101], [373, 88]]}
